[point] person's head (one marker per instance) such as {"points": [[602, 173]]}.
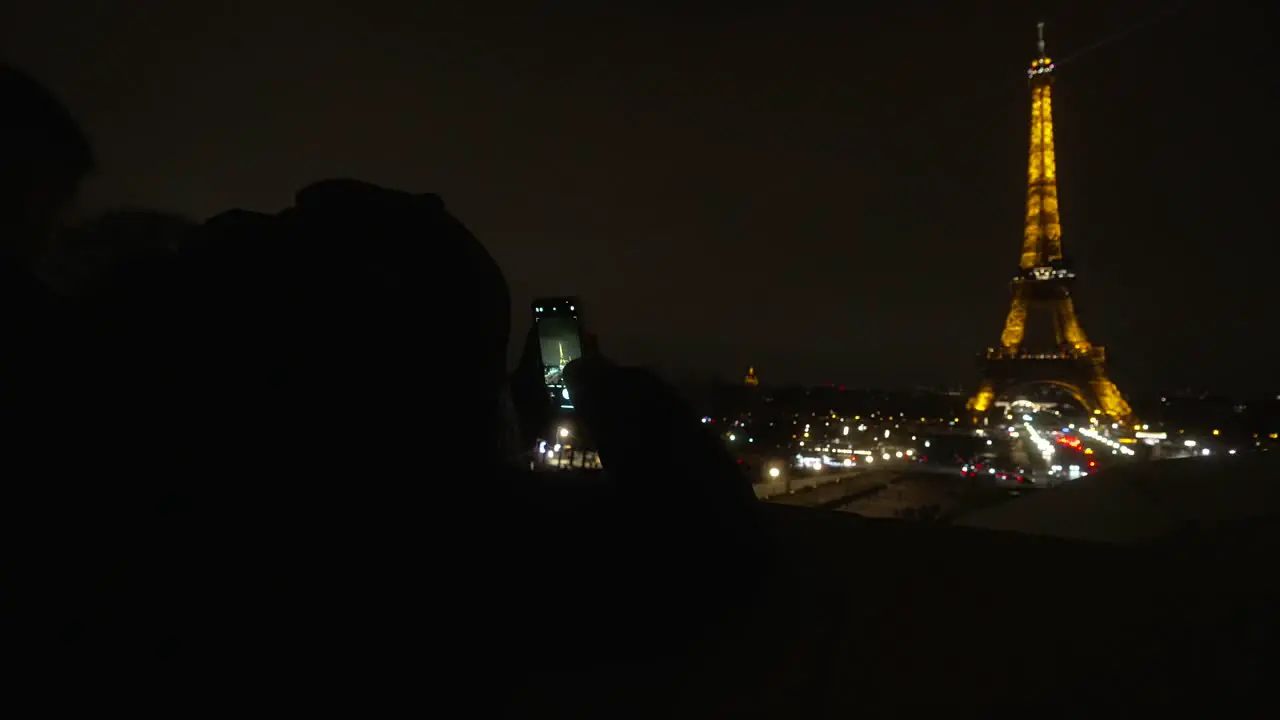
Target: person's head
{"points": [[43, 158], [419, 310]]}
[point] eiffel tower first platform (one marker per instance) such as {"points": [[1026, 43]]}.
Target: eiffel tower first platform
{"points": [[1041, 289]]}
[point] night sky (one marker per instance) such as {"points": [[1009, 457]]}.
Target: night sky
{"points": [[832, 195]]}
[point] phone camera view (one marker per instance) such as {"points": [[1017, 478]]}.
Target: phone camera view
{"points": [[560, 343]]}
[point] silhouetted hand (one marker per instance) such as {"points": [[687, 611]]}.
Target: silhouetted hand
{"points": [[692, 517], [640, 427], [643, 431], [536, 411]]}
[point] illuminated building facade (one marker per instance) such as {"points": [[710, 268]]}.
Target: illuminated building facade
{"points": [[1041, 287]]}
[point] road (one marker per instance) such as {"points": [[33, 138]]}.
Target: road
{"points": [[1069, 447], [854, 484], [935, 493]]}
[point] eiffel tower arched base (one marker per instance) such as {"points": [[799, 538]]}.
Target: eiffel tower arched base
{"points": [[1083, 377]]}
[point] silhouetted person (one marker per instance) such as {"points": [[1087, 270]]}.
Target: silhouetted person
{"points": [[80, 377], [368, 362], [43, 159], [102, 256], [346, 502]]}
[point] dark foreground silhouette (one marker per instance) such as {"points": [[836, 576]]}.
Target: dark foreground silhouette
{"points": [[292, 474]]}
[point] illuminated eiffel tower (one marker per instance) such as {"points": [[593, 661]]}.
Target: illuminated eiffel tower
{"points": [[1041, 288]]}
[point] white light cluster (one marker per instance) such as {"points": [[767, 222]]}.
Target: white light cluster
{"points": [[1045, 272], [817, 463], [1044, 446], [1093, 435], [813, 463]]}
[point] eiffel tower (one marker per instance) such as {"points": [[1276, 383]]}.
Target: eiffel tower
{"points": [[1041, 289]]}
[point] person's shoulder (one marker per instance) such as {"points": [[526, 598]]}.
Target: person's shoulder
{"points": [[349, 192]]}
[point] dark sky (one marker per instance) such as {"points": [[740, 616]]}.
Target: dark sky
{"points": [[830, 194]]}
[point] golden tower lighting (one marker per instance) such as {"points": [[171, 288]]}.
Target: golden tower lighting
{"points": [[1041, 288]]}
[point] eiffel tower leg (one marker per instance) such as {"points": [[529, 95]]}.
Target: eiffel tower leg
{"points": [[1110, 401], [981, 400], [1015, 323], [1067, 324]]}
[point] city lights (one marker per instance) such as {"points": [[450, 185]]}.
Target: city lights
{"points": [[1115, 446]]}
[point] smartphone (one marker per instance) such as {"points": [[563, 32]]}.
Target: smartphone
{"points": [[559, 324]]}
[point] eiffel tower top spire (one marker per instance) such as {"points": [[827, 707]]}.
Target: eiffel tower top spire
{"points": [[1040, 39], [1042, 229]]}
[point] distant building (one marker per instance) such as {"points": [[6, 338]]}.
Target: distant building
{"points": [[751, 380]]}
